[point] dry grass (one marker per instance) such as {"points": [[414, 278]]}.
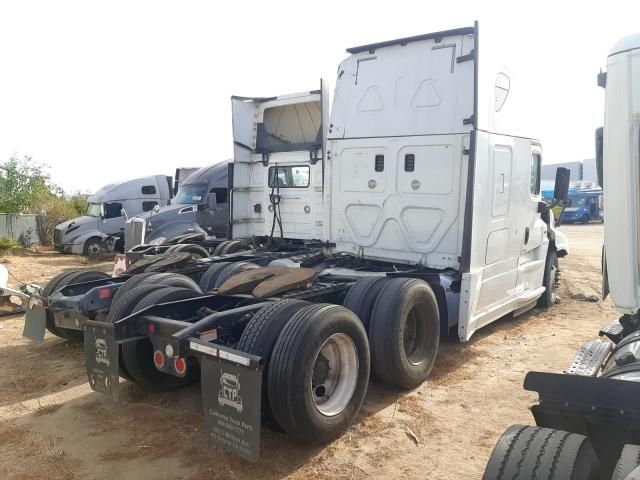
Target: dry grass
{"points": [[47, 409], [28, 455]]}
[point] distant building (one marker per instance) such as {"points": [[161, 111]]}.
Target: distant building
{"points": [[583, 174]]}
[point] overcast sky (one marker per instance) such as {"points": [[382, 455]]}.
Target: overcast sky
{"points": [[102, 91]]}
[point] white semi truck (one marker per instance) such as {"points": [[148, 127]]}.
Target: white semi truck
{"points": [[426, 201], [588, 419]]}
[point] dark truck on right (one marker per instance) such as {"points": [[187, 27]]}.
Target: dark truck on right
{"points": [[588, 418]]}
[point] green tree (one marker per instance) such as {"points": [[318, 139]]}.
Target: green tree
{"points": [[22, 184]]}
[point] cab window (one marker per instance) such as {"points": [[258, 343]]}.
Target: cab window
{"points": [[534, 183], [296, 176], [112, 210]]}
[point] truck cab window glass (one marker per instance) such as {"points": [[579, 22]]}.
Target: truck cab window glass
{"points": [[112, 210], [148, 206], [290, 127], [148, 189], [534, 184], [221, 194], [94, 209], [289, 176], [190, 194]]}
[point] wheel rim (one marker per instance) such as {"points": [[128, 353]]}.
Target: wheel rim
{"points": [[335, 374], [415, 337], [93, 248]]}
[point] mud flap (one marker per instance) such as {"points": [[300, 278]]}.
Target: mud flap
{"points": [[231, 399], [35, 322], [101, 357]]}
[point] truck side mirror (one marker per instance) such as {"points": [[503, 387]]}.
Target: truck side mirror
{"points": [[561, 191], [599, 155], [212, 201]]}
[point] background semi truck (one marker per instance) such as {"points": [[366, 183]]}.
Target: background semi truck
{"points": [[588, 419], [200, 205], [404, 257], [107, 212]]}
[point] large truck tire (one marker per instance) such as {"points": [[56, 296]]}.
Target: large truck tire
{"points": [[58, 283], [233, 246], [218, 250], [232, 270], [138, 355], [196, 251], [92, 247], [167, 279], [208, 279], [362, 296], [123, 306], [259, 338], [404, 333], [629, 460], [318, 373], [550, 280], [533, 452]]}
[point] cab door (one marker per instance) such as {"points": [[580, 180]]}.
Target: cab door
{"points": [[533, 250]]}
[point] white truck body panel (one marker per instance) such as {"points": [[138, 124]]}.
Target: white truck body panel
{"points": [[621, 168], [425, 168], [280, 134]]}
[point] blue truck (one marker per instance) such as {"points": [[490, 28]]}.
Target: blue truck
{"points": [[586, 206]]}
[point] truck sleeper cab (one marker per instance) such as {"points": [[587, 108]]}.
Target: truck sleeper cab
{"points": [[105, 217], [429, 221], [200, 206]]}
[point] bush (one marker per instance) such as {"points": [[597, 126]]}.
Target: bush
{"points": [[7, 244], [25, 187]]}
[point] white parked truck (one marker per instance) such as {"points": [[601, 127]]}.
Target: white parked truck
{"points": [[427, 204], [107, 212], [588, 419]]}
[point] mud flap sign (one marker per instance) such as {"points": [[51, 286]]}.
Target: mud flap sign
{"points": [[101, 356], [231, 401], [34, 323]]}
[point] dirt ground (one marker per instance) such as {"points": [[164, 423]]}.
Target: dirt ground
{"points": [[53, 426]]}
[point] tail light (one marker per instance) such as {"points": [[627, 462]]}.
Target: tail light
{"points": [[180, 365], [104, 293], [158, 359]]}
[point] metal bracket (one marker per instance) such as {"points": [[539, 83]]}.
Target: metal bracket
{"points": [[313, 158], [469, 56], [469, 120], [265, 158]]}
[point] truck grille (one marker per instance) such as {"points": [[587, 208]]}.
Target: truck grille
{"points": [[134, 231], [57, 236]]}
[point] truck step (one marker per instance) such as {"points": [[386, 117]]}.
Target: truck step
{"points": [[613, 331], [589, 358]]}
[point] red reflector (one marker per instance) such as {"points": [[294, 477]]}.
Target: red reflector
{"points": [[104, 293], [158, 359], [152, 328], [180, 365]]}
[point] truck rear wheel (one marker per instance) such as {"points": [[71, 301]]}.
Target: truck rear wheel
{"points": [[232, 270], [318, 372], [122, 306], [196, 251], [218, 250], [234, 246], [259, 338], [167, 279], [550, 281], [58, 283], [362, 296], [629, 460], [404, 332], [138, 355], [535, 452], [208, 279]]}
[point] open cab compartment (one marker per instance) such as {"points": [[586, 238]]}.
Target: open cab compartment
{"points": [[279, 142]]}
